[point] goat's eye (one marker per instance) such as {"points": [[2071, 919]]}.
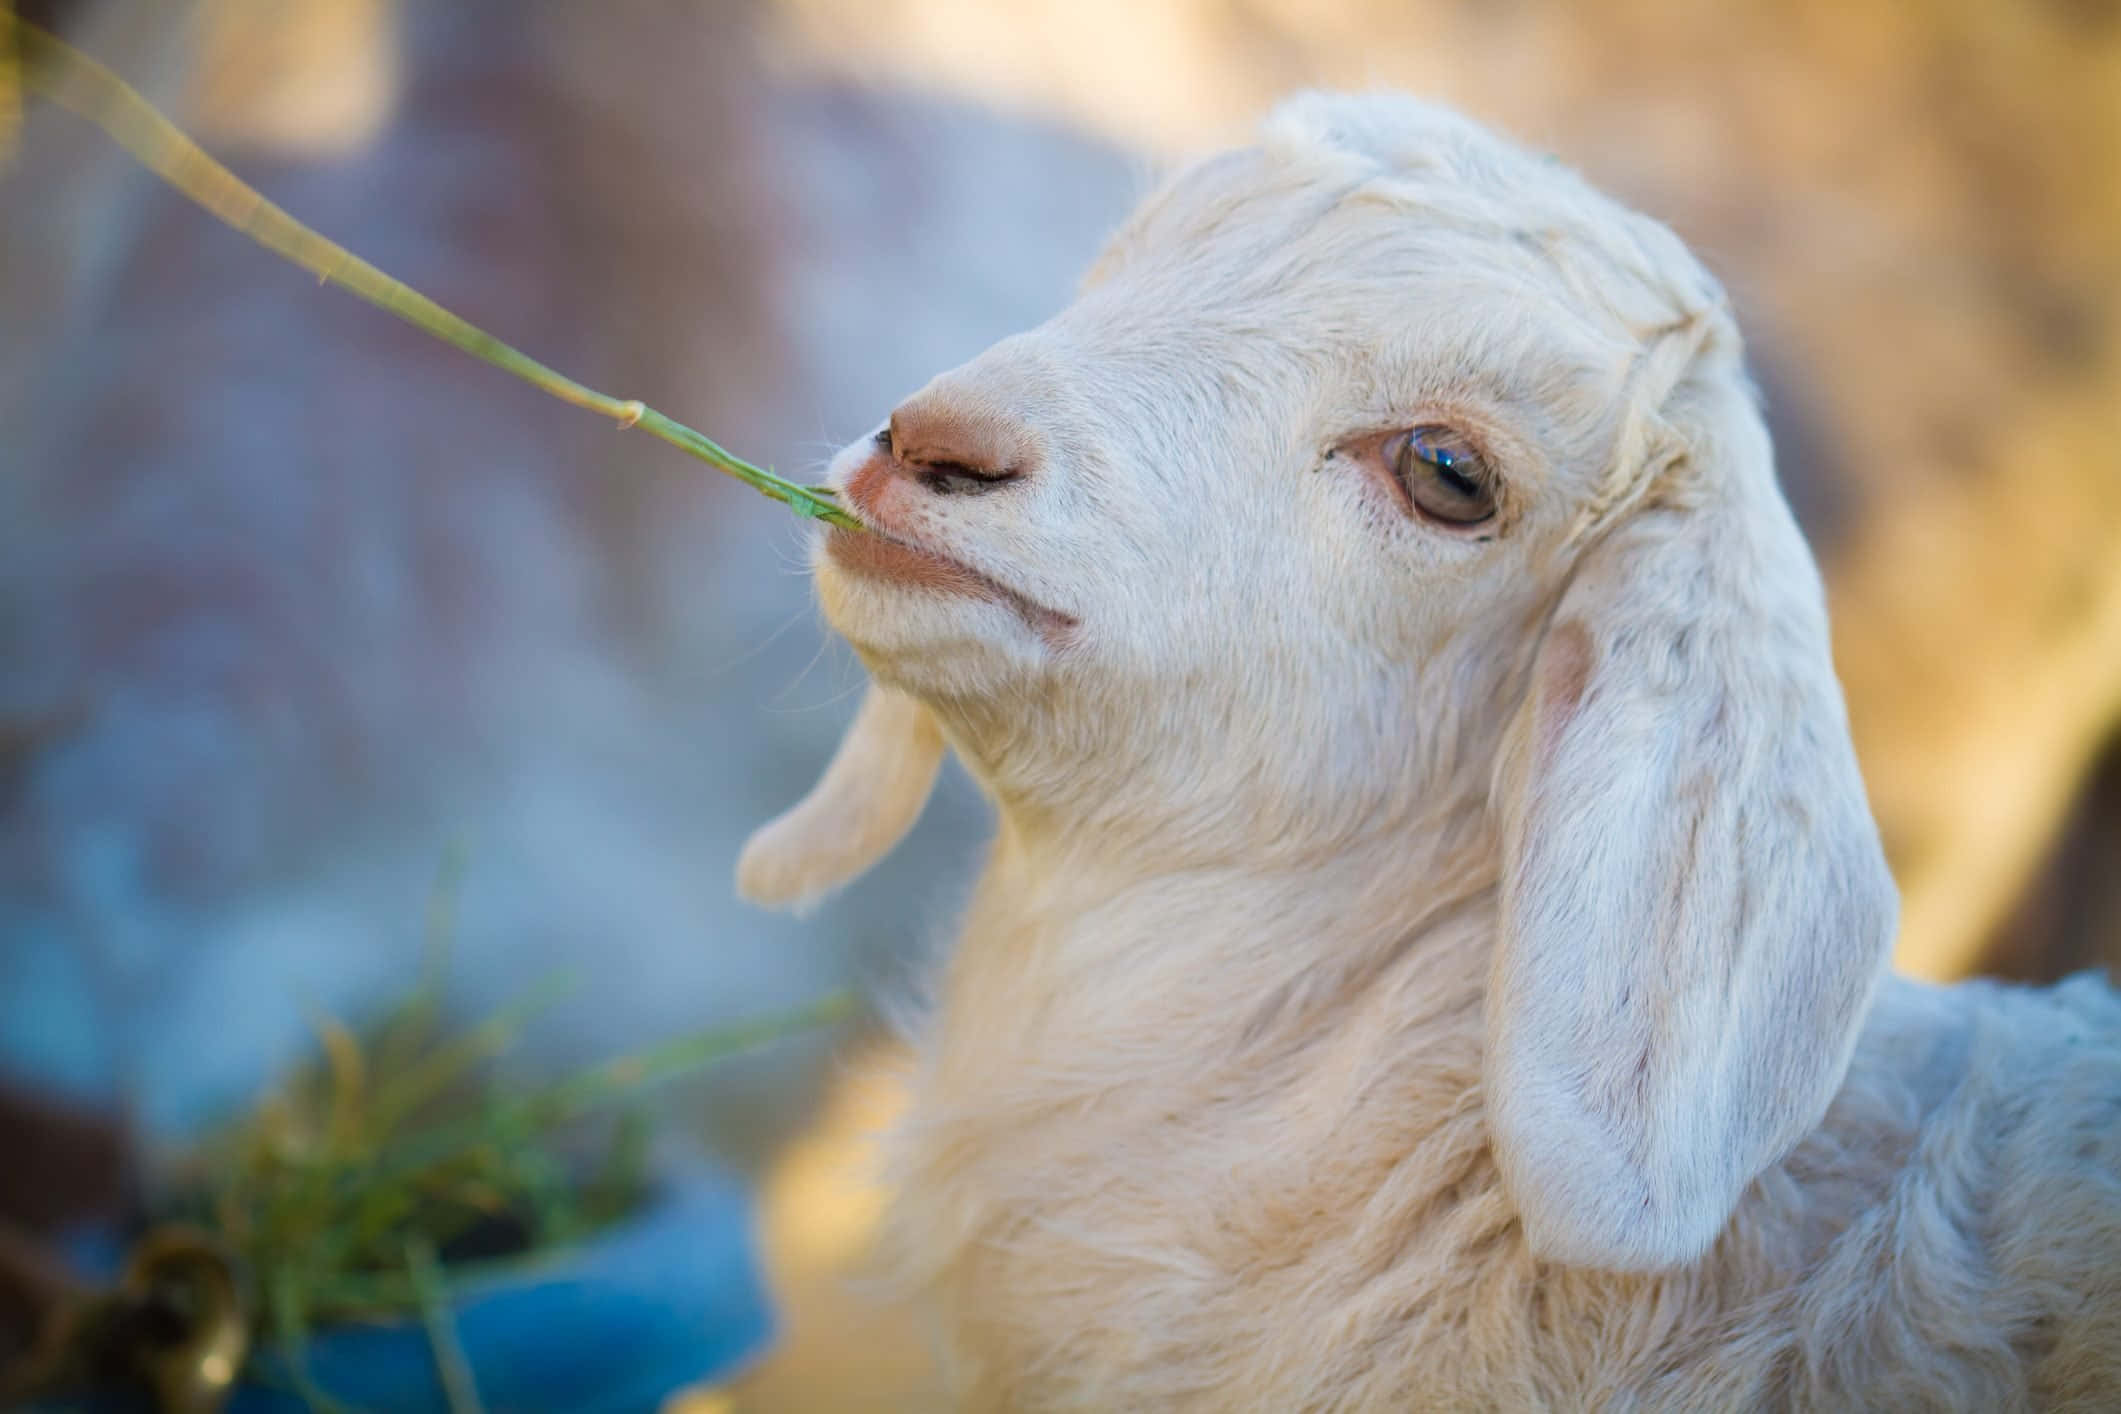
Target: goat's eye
{"points": [[1444, 476]]}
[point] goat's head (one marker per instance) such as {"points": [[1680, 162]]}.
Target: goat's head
{"points": [[1379, 463]]}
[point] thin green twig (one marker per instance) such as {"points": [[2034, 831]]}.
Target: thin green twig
{"points": [[458, 1382], [419, 1079], [78, 83], [601, 1084], [10, 83], [290, 1325]]}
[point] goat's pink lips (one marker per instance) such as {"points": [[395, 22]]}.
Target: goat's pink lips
{"points": [[879, 554]]}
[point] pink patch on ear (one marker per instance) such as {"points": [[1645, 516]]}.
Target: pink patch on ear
{"points": [[1562, 678]]}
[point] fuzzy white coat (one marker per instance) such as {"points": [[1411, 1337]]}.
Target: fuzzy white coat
{"points": [[1423, 966]]}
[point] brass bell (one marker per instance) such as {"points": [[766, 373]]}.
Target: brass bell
{"points": [[188, 1319], [177, 1322]]}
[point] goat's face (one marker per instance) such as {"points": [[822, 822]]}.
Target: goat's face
{"points": [[1383, 469], [1263, 523]]}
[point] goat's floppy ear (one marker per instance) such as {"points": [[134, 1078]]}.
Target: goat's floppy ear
{"points": [[1695, 906], [863, 805]]}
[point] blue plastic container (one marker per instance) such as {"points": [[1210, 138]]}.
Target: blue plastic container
{"points": [[671, 1298]]}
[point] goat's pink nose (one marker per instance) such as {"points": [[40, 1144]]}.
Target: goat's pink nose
{"points": [[954, 447]]}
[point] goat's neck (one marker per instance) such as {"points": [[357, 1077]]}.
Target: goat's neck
{"points": [[1102, 964]]}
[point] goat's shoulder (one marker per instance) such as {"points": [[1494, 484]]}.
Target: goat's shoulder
{"points": [[1314, 1217], [1962, 1194]]}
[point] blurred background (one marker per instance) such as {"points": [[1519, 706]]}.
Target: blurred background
{"points": [[294, 601]]}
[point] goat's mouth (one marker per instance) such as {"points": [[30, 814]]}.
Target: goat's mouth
{"points": [[883, 555]]}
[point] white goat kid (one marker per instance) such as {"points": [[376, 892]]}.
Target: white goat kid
{"points": [[1431, 954]]}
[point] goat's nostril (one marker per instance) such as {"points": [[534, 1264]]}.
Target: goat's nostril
{"points": [[949, 449]]}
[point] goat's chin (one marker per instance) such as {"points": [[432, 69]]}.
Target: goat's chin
{"points": [[932, 645]]}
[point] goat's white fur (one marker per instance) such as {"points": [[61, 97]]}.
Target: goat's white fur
{"points": [[863, 805], [1420, 970]]}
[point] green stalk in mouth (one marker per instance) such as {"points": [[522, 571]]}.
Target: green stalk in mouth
{"points": [[49, 66]]}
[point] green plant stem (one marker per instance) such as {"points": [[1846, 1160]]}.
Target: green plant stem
{"points": [[10, 83], [71, 79], [290, 1322], [600, 1084], [458, 1382], [421, 1079]]}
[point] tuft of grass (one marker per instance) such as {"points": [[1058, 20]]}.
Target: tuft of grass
{"points": [[396, 1161], [32, 59]]}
